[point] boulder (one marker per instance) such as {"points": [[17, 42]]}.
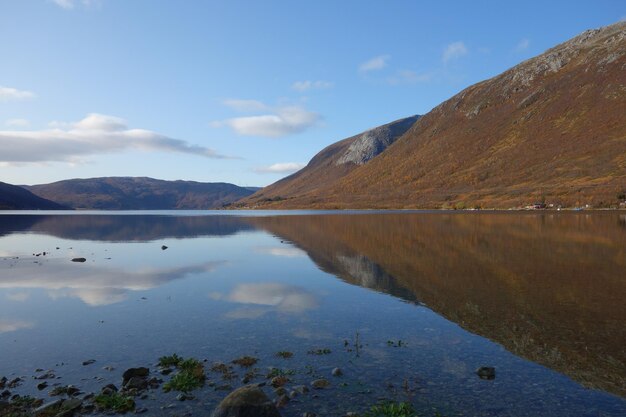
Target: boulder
{"points": [[247, 401], [134, 372]]}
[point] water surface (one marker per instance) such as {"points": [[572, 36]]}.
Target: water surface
{"points": [[537, 296]]}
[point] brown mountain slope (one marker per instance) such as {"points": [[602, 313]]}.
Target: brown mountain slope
{"points": [[335, 162], [552, 127]]}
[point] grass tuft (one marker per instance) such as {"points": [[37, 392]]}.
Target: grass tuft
{"points": [[115, 402], [190, 373], [391, 409], [171, 360]]}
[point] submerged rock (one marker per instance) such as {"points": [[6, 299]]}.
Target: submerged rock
{"points": [[320, 383], [486, 372], [247, 401], [337, 372], [79, 260]]}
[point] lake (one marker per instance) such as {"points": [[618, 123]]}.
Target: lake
{"points": [[407, 304]]}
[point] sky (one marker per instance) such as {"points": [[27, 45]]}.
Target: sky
{"points": [[244, 92]]}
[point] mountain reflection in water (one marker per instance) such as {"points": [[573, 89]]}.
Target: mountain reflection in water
{"points": [[547, 287]]}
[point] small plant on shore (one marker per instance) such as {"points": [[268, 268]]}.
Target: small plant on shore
{"points": [[114, 402], [26, 402], [171, 360], [184, 382], [284, 354], [391, 409], [189, 377], [245, 361]]}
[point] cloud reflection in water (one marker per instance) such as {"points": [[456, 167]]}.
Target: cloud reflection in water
{"points": [[95, 286], [267, 297]]}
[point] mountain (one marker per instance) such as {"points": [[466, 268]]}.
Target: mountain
{"points": [[552, 128], [335, 162], [139, 193], [13, 197]]}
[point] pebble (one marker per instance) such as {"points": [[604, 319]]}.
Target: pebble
{"points": [[320, 383]]}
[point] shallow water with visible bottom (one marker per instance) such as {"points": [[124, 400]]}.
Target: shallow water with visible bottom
{"points": [[407, 305]]}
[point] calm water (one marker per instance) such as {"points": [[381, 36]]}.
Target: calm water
{"points": [[539, 296]]}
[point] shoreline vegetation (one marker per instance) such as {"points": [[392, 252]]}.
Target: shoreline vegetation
{"points": [[245, 383]]}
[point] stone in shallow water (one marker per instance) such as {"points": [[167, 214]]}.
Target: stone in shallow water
{"points": [[79, 260], [134, 372], [247, 401], [320, 383], [486, 372]]}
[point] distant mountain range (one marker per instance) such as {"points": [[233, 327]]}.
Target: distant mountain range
{"points": [[13, 197], [552, 128], [139, 193]]}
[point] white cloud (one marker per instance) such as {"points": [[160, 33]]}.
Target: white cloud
{"points": [[66, 4], [522, 45], [454, 50], [8, 93], [245, 105], [311, 85], [17, 123], [409, 77], [281, 168], [69, 4], [375, 64], [95, 134], [282, 121]]}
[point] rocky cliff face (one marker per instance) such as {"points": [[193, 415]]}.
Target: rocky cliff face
{"points": [[373, 142], [552, 128]]}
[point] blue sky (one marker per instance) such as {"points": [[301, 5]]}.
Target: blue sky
{"points": [[242, 91]]}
